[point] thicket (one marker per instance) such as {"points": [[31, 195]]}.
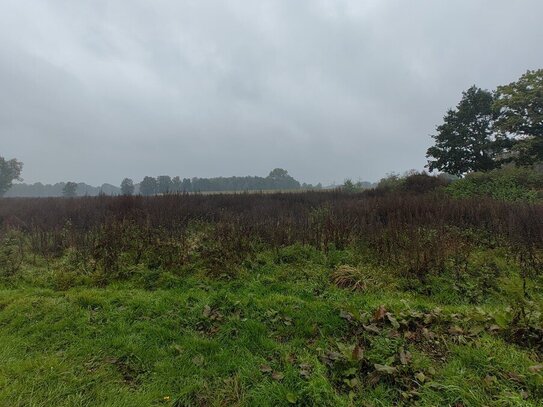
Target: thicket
{"points": [[418, 235], [507, 184]]}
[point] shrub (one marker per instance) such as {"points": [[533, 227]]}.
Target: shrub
{"points": [[505, 184], [422, 182]]}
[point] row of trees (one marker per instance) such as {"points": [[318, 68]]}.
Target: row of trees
{"points": [[276, 180], [488, 129]]}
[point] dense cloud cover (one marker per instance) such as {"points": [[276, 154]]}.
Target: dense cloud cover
{"points": [[96, 90]]}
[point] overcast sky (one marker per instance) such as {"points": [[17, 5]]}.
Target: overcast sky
{"points": [[95, 91]]}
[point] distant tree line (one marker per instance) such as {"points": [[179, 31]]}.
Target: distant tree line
{"points": [[58, 189], [489, 129], [277, 179]]}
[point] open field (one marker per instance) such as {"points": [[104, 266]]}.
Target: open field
{"points": [[309, 299]]}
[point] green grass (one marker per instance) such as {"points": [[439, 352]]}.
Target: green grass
{"points": [[278, 334]]}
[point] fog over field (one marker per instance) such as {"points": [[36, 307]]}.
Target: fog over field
{"points": [[97, 90]]}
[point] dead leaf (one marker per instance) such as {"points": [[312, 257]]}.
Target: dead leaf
{"points": [[384, 368], [409, 335], [265, 369], [277, 376], [405, 356], [305, 370], [357, 353], [420, 377], [346, 315], [380, 313], [456, 330], [372, 328], [392, 320]]}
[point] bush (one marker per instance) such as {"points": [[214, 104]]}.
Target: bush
{"points": [[413, 182], [421, 182], [505, 184]]}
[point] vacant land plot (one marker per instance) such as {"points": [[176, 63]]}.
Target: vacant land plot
{"points": [[328, 299]]}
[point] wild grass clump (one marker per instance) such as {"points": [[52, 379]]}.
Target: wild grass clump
{"points": [[360, 278]]}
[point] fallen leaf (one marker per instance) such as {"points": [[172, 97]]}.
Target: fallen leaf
{"points": [[372, 328], [456, 330], [392, 320], [357, 353], [384, 368], [379, 313], [346, 315], [405, 356], [265, 369], [277, 376], [494, 328]]}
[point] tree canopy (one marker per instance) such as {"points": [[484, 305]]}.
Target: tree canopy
{"points": [[69, 190], [520, 116], [465, 142], [148, 186], [10, 170], [487, 129], [127, 187]]}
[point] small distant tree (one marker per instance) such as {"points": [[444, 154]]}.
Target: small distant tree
{"points": [[148, 186], [177, 184], [164, 184], [187, 185], [520, 116], [278, 174], [69, 190], [348, 186], [279, 178], [10, 170], [465, 141], [127, 187]]}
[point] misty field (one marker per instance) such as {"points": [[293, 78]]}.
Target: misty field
{"points": [[310, 299]]}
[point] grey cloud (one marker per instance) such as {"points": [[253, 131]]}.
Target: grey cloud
{"points": [[98, 90]]}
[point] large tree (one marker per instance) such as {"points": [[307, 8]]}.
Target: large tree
{"points": [[520, 116], [465, 141], [10, 170]]}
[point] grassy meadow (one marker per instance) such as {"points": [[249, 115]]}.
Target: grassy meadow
{"points": [[307, 299]]}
